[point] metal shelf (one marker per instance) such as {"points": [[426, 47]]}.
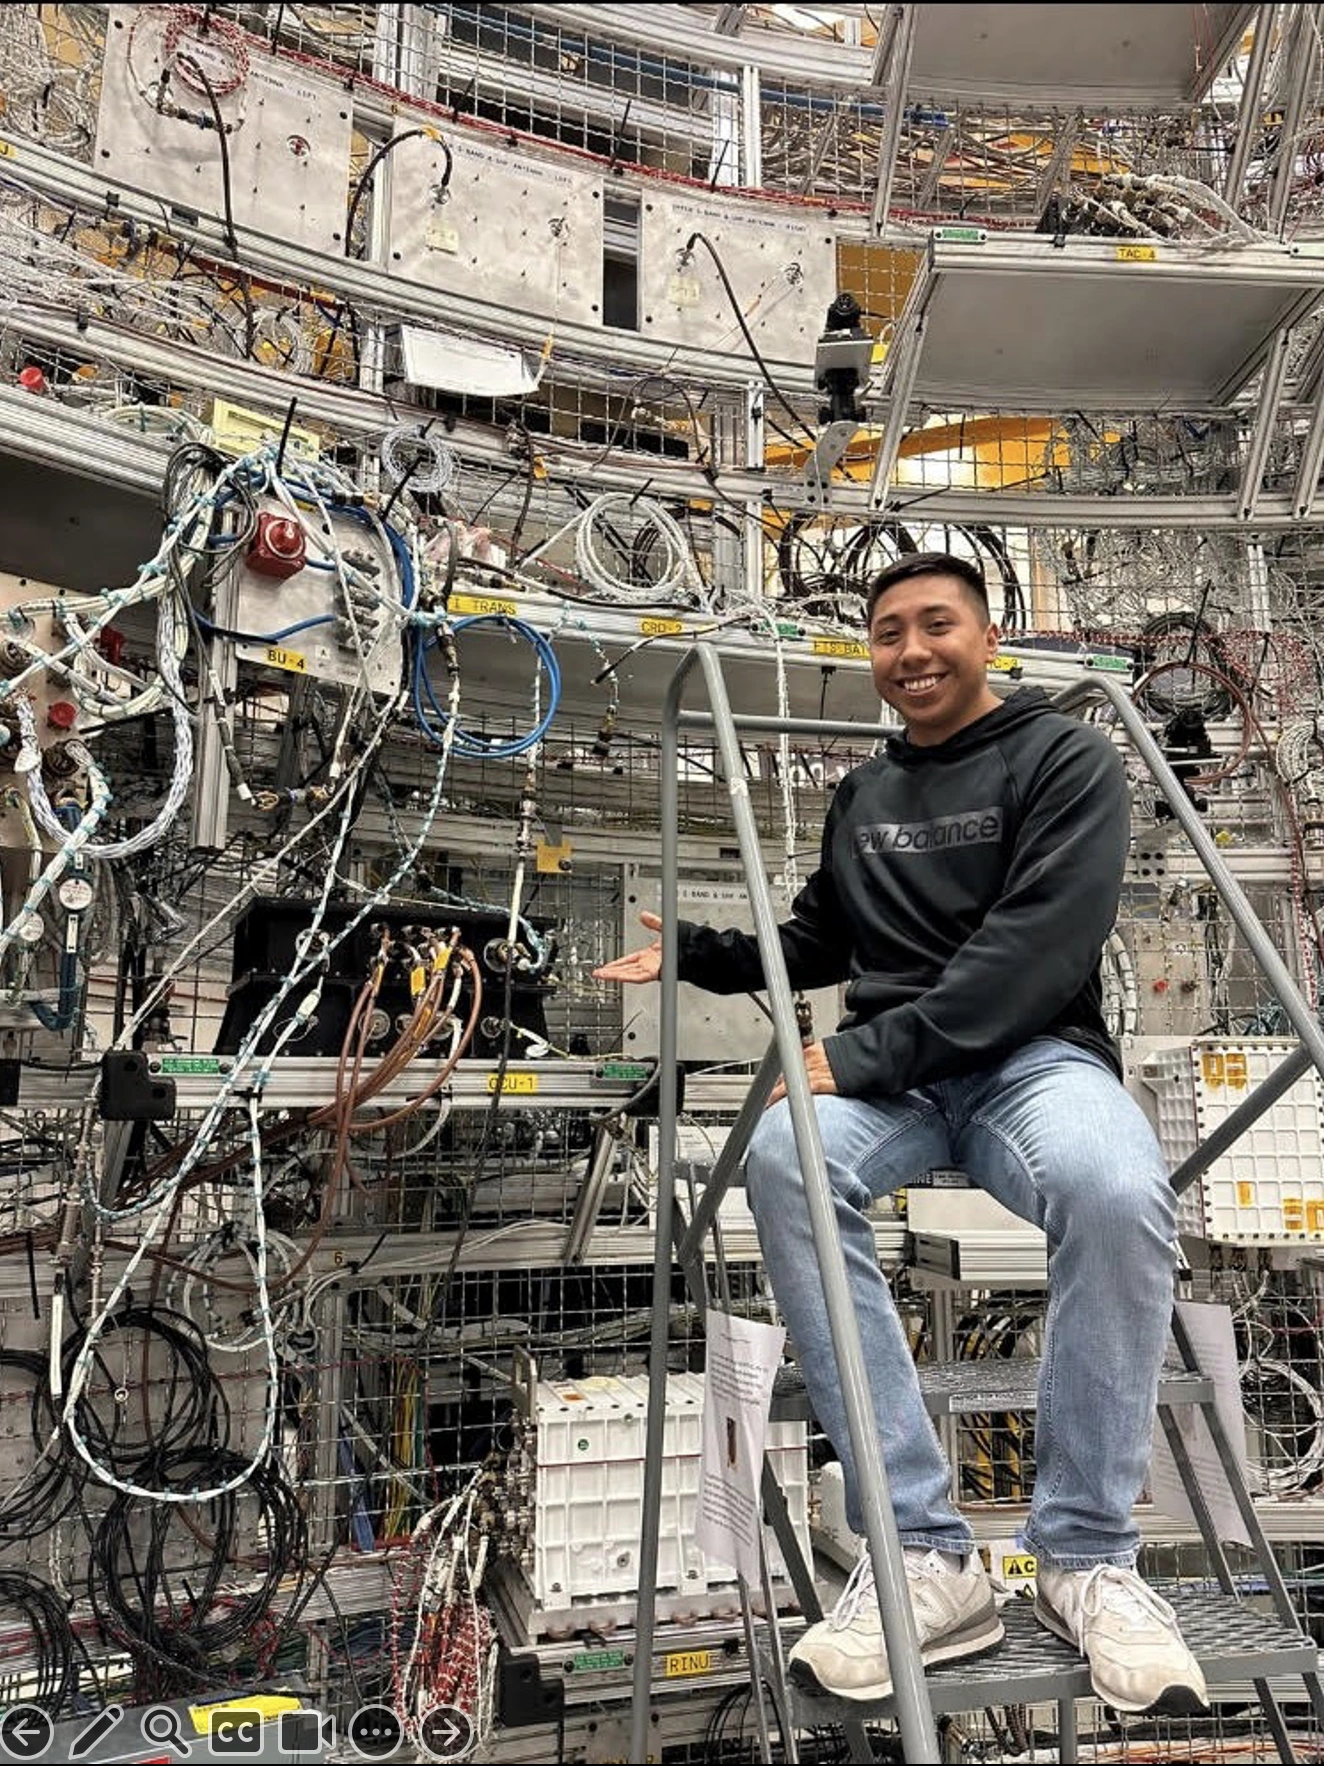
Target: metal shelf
{"points": [[1111, 57], [962, 1388], [1095, 324], [1232, 1641]]}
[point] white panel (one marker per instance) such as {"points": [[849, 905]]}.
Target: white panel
{"points": [[782, 266], [270, 606], [288, 132], [713, 1027], [511, 229]]}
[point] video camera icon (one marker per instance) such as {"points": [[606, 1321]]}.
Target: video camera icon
{"points": [[241, 1732]]}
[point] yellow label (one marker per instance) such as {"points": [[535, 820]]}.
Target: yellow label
{"points": [[1019, 1566], [293, 660], [7, 150], [1237, 1076], [1245, 1195], [690, 1661], [1004, 665], [839, 647], [1294, 1214], [514, 1082], [240, 431], [661, 628], [1136, 254], [1315, 1217], [1211, 1066], [552, 861], [266, 1705], [417, 979], [482, 604]]}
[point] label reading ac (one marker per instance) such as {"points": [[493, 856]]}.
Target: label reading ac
{"points": [[839, 647], [690, 1661], [1016, 1567], [483, 604], [293, 661], [513, 1082]]}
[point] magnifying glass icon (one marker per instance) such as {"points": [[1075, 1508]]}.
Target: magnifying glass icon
{"points": [[162, 1725]]}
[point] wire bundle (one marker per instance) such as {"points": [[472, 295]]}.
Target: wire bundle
{"points": [[46, 1615], [189, 1626]]}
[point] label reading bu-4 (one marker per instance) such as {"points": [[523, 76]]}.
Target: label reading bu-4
{"points": [[293, 660], [514, 1082]]}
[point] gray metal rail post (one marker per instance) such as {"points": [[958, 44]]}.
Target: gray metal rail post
{"points": [[1247, 922], [913, 1708]]}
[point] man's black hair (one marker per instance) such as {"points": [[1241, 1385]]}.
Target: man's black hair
{"points": [[928, 564]]}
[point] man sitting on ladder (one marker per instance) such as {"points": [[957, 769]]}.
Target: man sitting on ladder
{"points": [[968, 880]]}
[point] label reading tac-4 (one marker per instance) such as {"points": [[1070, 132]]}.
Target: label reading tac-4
{"points": [[513, 1082], [690, 1661], [840, 647], [292, 660], [1136, 254]]}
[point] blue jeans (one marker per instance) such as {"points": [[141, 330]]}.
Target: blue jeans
{"points": [[1054, 1136]]}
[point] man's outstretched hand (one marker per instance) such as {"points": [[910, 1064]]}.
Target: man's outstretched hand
{"points": [[818, 1071], [645, 964], [636, 965]]}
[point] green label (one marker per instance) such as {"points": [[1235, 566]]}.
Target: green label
{"points": [[625, 1070], [960, 235], [1118, 665], [190, 1064], [789, 631], [593, 1661]]}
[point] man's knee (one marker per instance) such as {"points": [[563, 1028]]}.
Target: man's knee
{"points": [[771, 1160]]}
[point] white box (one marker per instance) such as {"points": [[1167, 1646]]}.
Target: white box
{"points": [[588, 1441], [1269, 1187]]}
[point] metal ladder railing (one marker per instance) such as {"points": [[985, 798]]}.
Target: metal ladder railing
{"points": [[913, 1707]]}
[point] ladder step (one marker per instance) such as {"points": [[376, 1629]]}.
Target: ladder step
{"points": [[958, 1388], [1231, 1639]]}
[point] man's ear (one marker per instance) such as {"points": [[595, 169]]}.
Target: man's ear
{"points": [[992, 640]]}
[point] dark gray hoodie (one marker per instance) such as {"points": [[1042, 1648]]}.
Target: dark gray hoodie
{"points": [[964, 892]]}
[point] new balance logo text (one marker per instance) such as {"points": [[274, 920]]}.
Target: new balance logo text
{"points": [[976, 827]]}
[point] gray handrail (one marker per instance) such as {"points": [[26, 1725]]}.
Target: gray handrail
{"points": [[1246, 920], [913, 1708]]}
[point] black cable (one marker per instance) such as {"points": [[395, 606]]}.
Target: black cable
{"points": [[356, 196], [231, 238], [748, 335], [55, 1673]]}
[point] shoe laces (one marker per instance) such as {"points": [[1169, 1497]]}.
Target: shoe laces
{"points": [[860, 1585], [1115, 1589]]}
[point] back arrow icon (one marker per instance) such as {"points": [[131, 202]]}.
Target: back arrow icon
{"points": [[26, 1732]]}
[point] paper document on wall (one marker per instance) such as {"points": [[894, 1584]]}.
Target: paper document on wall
{"points": [[1210, 1330], [743, 1358]]}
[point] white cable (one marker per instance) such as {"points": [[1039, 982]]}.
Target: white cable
{"points": [[404, 450], [677, 577]]}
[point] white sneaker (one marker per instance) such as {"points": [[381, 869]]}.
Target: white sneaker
{"points": [[1138, 1658], [955, 1617]]}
